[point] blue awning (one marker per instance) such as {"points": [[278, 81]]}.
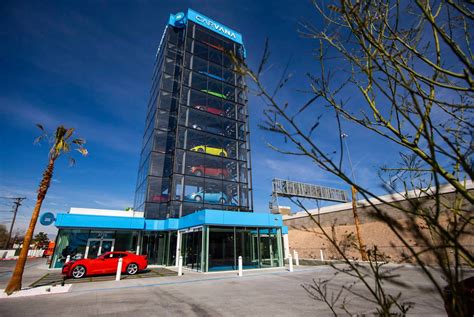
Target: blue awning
{"points": [[200, 218]]}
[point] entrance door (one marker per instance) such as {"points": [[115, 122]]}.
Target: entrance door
{"points": [[191, 243], [96, 247]]}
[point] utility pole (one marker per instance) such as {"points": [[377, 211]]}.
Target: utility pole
{"points": [[16, 205], [363, 253]]}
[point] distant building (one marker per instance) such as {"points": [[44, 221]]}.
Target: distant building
{"points": [[194, 191], [338, 220]]}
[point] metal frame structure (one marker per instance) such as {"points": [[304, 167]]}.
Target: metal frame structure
{"points": [[287, 188]]}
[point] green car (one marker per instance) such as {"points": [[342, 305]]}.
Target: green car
{"points": [[214, 93]]}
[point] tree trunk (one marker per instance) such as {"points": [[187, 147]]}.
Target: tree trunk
{"points": [[15, 282], [363, 253]]}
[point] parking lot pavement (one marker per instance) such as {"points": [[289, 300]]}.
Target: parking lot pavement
{"points": [[34, 269], [257, 293]]}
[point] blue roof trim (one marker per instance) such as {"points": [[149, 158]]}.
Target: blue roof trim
{"points": [[103, 222], [200, 218]]}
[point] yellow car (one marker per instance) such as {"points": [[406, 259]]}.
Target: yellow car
{"points": [[210, 150]]}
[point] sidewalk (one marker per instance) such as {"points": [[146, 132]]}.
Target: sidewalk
{"points": [[187, 277], [268, 292], [35, 268]]}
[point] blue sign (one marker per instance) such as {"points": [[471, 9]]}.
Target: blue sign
{"points": [[179, 20], [47, 218], [214, 26]]}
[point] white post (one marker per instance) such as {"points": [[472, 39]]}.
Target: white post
{"points": [[178, 247], [137, 247], [240, 266], [180, 265], [68, 258], [286, 245], [119, 270], [290, 261], [322, 255], [297, 259]]}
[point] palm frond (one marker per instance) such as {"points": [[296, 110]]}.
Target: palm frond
{"points": [[68, 134], [83, 151], [79, 141], [39, 139]]}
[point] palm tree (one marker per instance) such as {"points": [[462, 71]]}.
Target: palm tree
{"points": [[61, 143]]}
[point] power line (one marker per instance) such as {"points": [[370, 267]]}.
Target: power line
{"points": [[16, 204]]}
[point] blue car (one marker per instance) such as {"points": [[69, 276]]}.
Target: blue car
{"points": [[208, 197]]}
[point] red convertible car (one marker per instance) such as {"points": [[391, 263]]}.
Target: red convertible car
{"points": [[106, 264]]}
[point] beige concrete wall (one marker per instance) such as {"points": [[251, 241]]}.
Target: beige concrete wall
{"points": [[307, 239]]}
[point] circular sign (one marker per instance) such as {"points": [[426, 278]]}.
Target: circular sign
{"points": [[180, 20], [47, 218]]}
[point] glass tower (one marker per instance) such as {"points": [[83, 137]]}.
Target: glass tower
{"points": [[194, 182], [196, 151]]}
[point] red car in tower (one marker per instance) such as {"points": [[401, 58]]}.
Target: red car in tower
{"points": [[201, 170], [212, 110], [106, 264]]}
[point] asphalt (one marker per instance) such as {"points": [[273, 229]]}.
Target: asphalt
{"points": [[273, 292]]}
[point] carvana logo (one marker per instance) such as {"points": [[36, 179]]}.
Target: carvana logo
{"points": [[215, 26]]}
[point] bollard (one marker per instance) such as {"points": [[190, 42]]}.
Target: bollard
{"points": [[68, 258], [180, 266], [119, 270], [240, 266], [290, 261], [322, 255], [297, 259]]}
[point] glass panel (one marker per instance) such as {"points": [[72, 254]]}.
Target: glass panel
{"points": [[177, 193], [126, 241], [246, 248], [163, 141], [172, 240], [154, 245], [107, 246], [191, 249], [269, 247], [231, 193], [94, 246], [221, 249], [157, 210], [158, 190], [266, 254], [190, 207]]}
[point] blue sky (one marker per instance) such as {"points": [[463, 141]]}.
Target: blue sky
{"points": [[88, 65]]}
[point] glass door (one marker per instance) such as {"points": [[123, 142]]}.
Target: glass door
{"points": [[191, 248], [96, 247], [107, 245], [92, 248]]}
